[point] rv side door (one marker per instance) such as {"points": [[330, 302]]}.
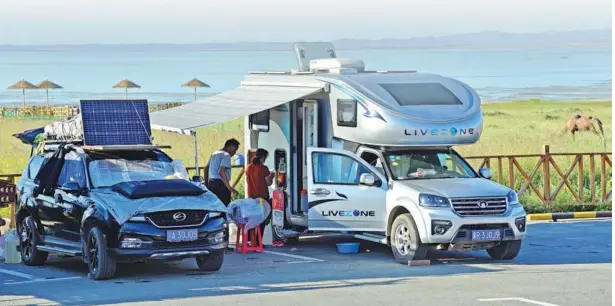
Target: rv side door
{"points": [[344, 192]]}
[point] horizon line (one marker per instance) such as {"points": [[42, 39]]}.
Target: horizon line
{"points": [[332, 40]]}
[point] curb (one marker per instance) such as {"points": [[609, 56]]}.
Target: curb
{"points": [[570, 215]]}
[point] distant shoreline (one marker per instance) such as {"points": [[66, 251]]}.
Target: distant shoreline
{"points": [[471, 41]]}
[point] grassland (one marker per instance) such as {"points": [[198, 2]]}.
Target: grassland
{"points": [[509, 128]]}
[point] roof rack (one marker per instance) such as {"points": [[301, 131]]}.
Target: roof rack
{"points": [[126, 147]]}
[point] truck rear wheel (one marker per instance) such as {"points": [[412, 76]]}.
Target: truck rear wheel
{"points": [[405, 241], [506, 250]]}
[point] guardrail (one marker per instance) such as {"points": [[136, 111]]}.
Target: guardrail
{"points": [[58, 112], [547, 180]]}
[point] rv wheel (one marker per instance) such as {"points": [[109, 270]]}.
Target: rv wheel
{"points": [[506, 250], [405, 241]]}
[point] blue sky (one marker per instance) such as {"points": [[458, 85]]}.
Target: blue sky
{"points": [[197, 21]]}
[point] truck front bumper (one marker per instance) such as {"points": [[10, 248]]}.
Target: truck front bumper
{"points": [[512, 226]]}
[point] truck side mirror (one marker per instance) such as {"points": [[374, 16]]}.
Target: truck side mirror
{"points": [[367, 179], [485, 173], [197, 179]]}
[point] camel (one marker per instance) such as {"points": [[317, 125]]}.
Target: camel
{"points": [[577, 123]]}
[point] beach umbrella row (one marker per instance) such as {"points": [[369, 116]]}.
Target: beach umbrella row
{"points": [[125, 84], [23, 85]]}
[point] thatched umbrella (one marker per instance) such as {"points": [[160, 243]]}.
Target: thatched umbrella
{"points": [[46, 85], [195, 83], [23, 85], [126, 84]]}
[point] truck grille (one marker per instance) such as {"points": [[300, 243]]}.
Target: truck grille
{"points": [[164, 219], [479, 206]]}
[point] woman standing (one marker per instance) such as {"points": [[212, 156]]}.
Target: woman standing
{"points": [[258, 179]]}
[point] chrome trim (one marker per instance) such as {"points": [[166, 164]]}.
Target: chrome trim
{"points": [[178, 254], [179, 226], [459, 210]]}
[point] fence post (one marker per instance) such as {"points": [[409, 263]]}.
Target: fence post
{"points": [[581, 179], [603, 177], [546, 173], [592, 178]]}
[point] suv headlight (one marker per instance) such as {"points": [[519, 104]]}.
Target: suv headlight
{"points": [[430, 200], [214, 214], [513, 198]]}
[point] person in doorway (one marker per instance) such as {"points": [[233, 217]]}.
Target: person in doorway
{"points": [[218, 171], [259, 178]]}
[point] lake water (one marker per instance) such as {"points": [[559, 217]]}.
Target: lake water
{"points": [[566, 73]]}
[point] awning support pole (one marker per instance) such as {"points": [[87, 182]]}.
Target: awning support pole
{"points": [[196, 154]]}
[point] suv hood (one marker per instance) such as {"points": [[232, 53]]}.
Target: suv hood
{"points": [[458, 187], [123, 208]]}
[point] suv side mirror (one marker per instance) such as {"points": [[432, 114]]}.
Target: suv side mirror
{"points": [[367, 179], [197, 179], [71, 187], [485, 173]]}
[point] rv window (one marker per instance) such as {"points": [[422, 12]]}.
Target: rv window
{"points": [[260, 121], [410, 94], [347, 113]]}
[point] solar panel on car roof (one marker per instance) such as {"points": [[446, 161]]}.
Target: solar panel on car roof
{"points": [[115, 122]]}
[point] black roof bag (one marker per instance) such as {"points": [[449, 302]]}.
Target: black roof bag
{"points": [[157, 188]]}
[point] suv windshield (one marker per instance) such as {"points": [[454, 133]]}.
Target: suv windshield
{"points": [[428, 164], [109, 169]]}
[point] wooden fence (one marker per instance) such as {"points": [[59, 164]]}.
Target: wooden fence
{"points": [[552, 174], [544, 178]]}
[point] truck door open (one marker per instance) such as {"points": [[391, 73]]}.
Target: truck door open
{"points": [[345, 193]]}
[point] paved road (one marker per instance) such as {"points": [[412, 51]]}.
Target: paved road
{"points": [[560, 264]]}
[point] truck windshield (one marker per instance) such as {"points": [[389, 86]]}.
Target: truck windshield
{"points": [[428, 164], [108, 170]]}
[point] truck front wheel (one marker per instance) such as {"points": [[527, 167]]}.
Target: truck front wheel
{"points": [[506, 250], [405, 241]]}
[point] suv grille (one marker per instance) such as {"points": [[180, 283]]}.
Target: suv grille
{"points": [[479, 206], [166, 218]]}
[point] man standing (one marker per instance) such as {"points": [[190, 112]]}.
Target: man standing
{"points": [[218, 171]]}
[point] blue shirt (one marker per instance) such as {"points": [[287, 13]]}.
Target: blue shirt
{"points": [[219, 159]]}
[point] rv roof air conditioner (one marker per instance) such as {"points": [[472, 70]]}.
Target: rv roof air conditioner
{"points": [[337, 65]]}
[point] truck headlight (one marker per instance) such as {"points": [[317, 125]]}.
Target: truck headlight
{"points": [[430, 200], [513, 198]]}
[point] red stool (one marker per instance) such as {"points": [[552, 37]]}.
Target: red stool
{"points": [[255, 242]]}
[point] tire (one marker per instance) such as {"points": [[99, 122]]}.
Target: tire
{"points": [[28, 240], [506, 250], [405, 240], [210, 263], [100, 264]]}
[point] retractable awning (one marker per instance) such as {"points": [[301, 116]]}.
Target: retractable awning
{"points": [[226, 106]]}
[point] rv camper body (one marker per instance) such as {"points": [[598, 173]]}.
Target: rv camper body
{"points": [[369, 147], [371, 151]]}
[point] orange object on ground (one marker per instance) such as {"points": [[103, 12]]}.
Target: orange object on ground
{"points": [[255, 242]]}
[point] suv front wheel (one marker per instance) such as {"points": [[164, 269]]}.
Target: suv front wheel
{"points": [[211, 262], [100, 264]]}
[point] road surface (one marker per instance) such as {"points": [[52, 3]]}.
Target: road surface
{"points": [[563, 263]]}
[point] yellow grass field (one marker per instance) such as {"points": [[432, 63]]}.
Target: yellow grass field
{"points": [[509, 128]]}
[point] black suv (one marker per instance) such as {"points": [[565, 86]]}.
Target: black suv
{"points": [[111, 206]]}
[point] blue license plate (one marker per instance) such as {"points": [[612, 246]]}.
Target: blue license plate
{"points": [[487, 235], [182, 235]]}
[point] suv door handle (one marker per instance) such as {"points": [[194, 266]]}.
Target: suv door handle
{"points": [[320, 192]]}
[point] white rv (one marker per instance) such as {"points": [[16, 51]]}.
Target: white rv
{"points": [[373, 151]]}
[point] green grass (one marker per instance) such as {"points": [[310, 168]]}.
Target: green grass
{"points": [[509, 128]]}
